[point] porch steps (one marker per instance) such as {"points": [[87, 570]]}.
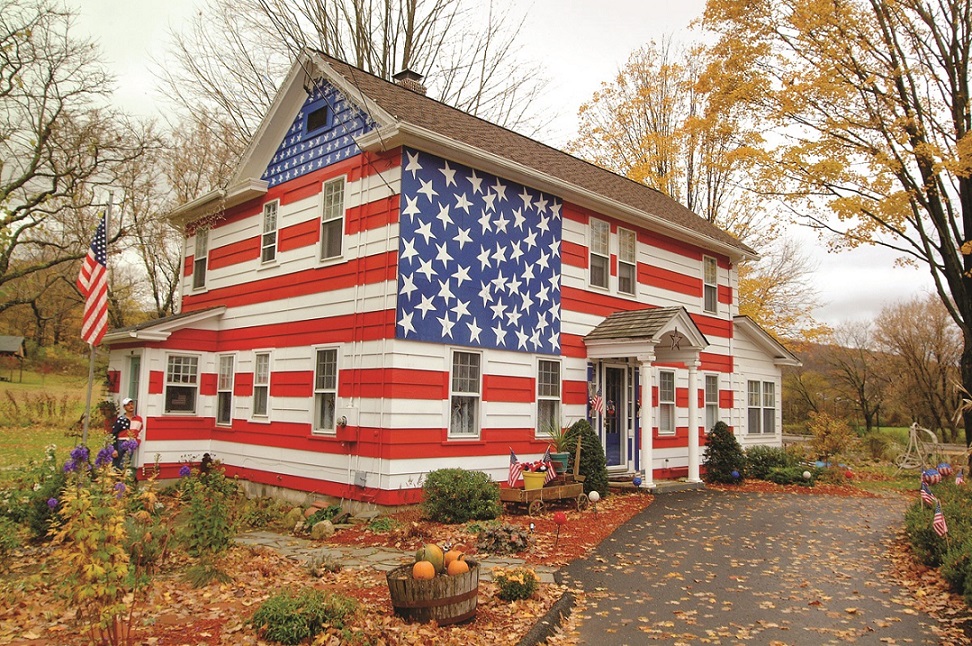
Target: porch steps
{"points": [[661, 486]]}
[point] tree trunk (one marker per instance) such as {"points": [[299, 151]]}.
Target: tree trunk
{"points": [[966, 367]]}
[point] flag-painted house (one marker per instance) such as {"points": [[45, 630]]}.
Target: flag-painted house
{"points": [[390, 286]]}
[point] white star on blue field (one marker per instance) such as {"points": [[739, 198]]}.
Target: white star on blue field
{"points": [[479, 259]]}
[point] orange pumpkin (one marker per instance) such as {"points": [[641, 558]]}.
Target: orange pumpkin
{"points": [[458, 566], [451, 556], [423, 570]]}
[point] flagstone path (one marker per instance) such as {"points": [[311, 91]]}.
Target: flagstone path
{"points": [[714, 567]]}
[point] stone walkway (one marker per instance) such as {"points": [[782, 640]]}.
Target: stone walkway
{"points": [[380, 558]]}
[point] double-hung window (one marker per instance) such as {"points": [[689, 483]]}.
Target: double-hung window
{"points": [[600, 253], [467, 383], [332, 218], [325, 390], [224, 390], [627, 261], [666, 402], [181, 383], [268, 240], [710, 285], [548, 396], [761, 399], [711, 401], [200, 258], [261, 384]]}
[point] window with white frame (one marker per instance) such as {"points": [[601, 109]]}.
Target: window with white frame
{"points": [[261, 384], [332, 218], [627, 261], [466, 391], [268, 241], [600, 253], [325, 390], [200, 258], [761, 401], [224, 390], [548, 396], [181, 383], [711, 401], [666, 402], [710, 288]]}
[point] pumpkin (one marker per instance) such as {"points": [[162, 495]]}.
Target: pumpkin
{"points": [[451, 556], [423, 570], [458, 566], [432, 553]]}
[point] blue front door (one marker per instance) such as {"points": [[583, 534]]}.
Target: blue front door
{"points": [[614, 416]]}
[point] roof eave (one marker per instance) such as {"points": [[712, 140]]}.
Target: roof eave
{"points": [[162, 331], [780, 355], [406, 134], [218, 200]]}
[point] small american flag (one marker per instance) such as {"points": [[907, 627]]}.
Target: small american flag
{"points": [[515, 470], [597, 404], [960, 477], [551, 472], [938, 522], [93, 285], [926, 494]]}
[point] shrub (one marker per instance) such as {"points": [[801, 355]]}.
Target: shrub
{"points": [[25, 502], [957, 566], [291, 618], [791, 475], [458, 496], [760, 459], [723, 455], [382, 524], [593, 465], [502, 539], [927, 546], [516, 584], [879, 446], [831, 436], [207, 527], [9, 540], [326, 513]]}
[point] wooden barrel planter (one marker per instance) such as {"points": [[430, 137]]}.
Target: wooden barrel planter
{"points": [[445, 599]]}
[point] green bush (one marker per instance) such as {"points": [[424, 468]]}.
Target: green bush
{"points": [[760, 459], [326, 513], [516, 584], [957, 566], [792, 475], [927, 546], [593, 465], [723, 455], [458, 496], [291, 618], [9, 540], [207, 525], [25, 501]]}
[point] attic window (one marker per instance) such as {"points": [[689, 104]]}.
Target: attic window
{"points": [[317, 119]]}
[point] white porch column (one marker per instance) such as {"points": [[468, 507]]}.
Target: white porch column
{"points": [[647, 458], [693, 422]]}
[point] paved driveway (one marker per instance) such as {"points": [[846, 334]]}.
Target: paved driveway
{"points": [[711, 567]]}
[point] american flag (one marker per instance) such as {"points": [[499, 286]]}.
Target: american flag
{"points": [[515, 470], [479, 259], [597, 404], [938, 522], [93, 285], [960, 477], [551, 472], [926, 494]]}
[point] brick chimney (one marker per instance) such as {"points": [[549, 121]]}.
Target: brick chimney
{"points": [[410, 81]]}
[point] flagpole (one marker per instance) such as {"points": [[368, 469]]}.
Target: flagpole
{"points": [[91, 359]]}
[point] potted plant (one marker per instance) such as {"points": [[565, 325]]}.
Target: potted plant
{"points": [[561, 446], [534, 474]]}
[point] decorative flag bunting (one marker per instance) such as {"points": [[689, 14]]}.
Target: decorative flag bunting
{"points": [[551, 472], [479, 259], [926, 494], [938, 522], [515, 470], [93, 285]]}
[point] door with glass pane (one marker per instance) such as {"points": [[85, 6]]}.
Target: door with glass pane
{"points": [[615, 416]]}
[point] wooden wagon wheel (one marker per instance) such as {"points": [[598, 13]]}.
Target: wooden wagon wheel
{"points": [[536, 508], [582, 502]]}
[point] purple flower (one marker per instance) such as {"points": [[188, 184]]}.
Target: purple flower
{"points": [[52, 503], [129, 446], [119, 490], [104, 457], [185, 471], [80, 453], [70, 466]]}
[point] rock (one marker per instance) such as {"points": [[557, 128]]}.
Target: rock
{"points": [[365, 516], [293, 517], [323, 529]]}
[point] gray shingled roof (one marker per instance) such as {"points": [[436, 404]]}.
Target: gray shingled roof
{"points": [[634, 324], [11, 345], [420, 110]]}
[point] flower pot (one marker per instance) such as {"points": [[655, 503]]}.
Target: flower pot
{"points": [[560, 462], [444, 599], [533, 479]]}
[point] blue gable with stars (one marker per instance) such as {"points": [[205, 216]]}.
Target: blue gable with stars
{"points": [[479, 259], [321, 135]]}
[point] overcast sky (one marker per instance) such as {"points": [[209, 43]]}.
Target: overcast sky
{"points": [[581, 45]]}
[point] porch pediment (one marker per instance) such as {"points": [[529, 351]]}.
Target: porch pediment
{"points": [[663, 332], [161, 329]]}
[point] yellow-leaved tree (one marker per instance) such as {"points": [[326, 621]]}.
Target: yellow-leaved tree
{"points": [[870, 102]]}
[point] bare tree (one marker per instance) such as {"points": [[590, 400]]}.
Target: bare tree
{"points": [[234, 55], [858, 372], [57, 144], [927, 346]]}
